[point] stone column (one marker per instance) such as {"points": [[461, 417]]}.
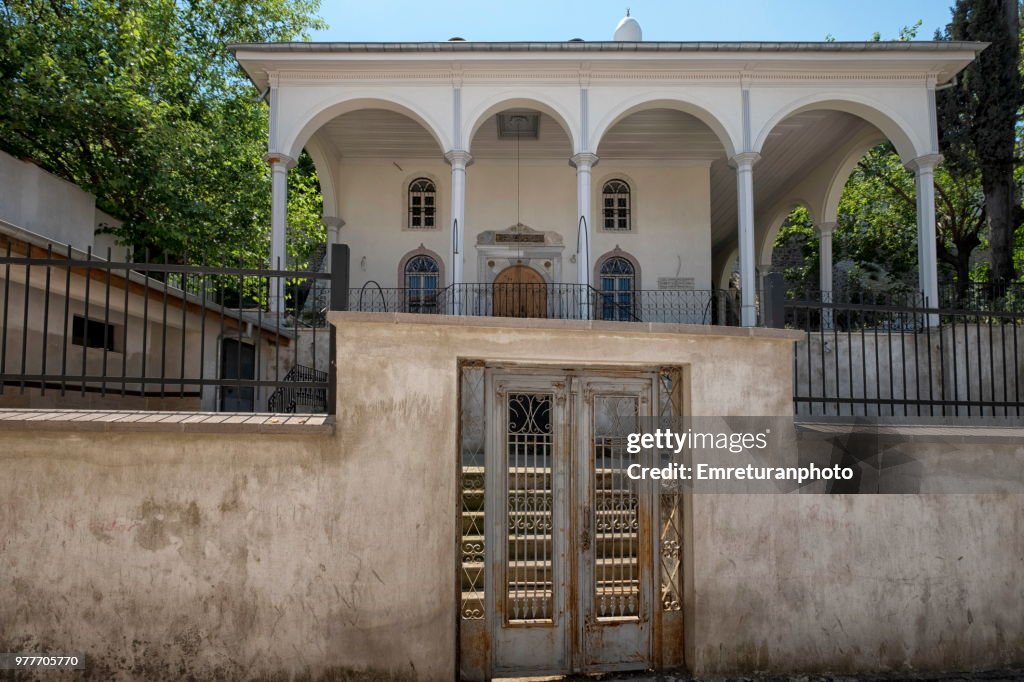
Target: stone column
{"points": [[927, 257], [279, 165], [584, 163], [744, 164], [459, 160]]}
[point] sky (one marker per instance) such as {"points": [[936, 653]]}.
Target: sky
{"points": [[683, 20]]}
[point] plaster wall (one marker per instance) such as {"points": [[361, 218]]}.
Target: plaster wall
{"points": [[671, 234], [333, 556], [34, 200]]}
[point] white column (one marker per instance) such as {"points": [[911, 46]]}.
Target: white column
{"points": [[744, 164], [279, 165], [459, 160], [584, 163], [825, 284], [825, 231], [927, 257], [333, 225]]}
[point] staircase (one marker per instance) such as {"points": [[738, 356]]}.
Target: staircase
{"points": [[304, 400], [614, 538]]}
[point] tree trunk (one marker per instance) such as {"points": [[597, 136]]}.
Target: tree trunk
{"points": [[1001, 209]]}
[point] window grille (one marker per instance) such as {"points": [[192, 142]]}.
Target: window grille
{"points": [[618, 277], [422, 204], [616, 206], [422, 280]]}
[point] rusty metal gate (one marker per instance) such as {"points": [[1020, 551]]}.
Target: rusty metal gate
{"points": [[560, 562]]}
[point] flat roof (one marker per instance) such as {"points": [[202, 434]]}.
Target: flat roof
{"points": [[615, 46]]}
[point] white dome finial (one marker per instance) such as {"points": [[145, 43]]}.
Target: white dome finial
{"points": [[628, 30]]}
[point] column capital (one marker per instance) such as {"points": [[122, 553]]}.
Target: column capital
{"points": [[276, 159], [926, 162], [458, 158], [583, 160], [331, 222], [742, 159], [826, 228]]}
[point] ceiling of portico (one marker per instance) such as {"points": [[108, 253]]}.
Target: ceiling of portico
{"points": [[793, 150], [657, 134]]}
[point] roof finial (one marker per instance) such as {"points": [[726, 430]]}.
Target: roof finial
{"points": [[628, 29]]}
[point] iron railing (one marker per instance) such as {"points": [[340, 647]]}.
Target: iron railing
{"points": [[905, 359], [155, 335], [287, 398], [554, 301]]}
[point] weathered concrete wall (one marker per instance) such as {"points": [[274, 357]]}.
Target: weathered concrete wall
{"points": [[857, 583], [161, 555]]}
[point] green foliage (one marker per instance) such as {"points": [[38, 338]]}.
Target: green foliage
{"points": [[877, 229], [979, 118], [140, 103], [797, 232]]}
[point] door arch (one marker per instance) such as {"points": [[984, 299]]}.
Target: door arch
{"points": [[520, 291]]}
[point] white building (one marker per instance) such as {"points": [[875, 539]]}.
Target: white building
{"points": [[636, 166]]}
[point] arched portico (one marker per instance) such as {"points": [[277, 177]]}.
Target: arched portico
{"points": [[664, 100], [910, 143], [778, 214], [521, 100], [292, 140], [821, 190], [308, 131]]}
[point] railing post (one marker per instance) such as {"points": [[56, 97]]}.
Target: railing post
{"points": [[332, 371], [339, 276], [340, 258], [774, 300]]}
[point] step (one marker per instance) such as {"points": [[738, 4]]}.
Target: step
{"points": [[473, 519], [533, 572], [529, 546], [605, 599], [473, 477]]}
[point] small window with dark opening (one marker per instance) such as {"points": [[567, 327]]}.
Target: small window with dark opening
{"points": [[92, 333]]}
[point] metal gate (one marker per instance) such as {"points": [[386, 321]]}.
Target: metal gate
{"points": [[567, 555]]}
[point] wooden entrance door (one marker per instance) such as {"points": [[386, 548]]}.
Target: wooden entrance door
{"points": [[520, 291]]}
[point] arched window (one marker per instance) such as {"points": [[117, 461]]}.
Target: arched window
{"points": [[422, 204], [618, 279], [615, 206], [422, 280]]}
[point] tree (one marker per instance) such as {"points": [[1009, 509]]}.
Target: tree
{"points": [[877, 229], [978, 119], [140, 103]]}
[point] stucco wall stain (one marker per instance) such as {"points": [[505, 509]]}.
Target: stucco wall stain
{"points": [[160, 523]]}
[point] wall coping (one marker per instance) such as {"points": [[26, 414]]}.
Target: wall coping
{"points": [[956, 432], [164, 422], [340, 318]]}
